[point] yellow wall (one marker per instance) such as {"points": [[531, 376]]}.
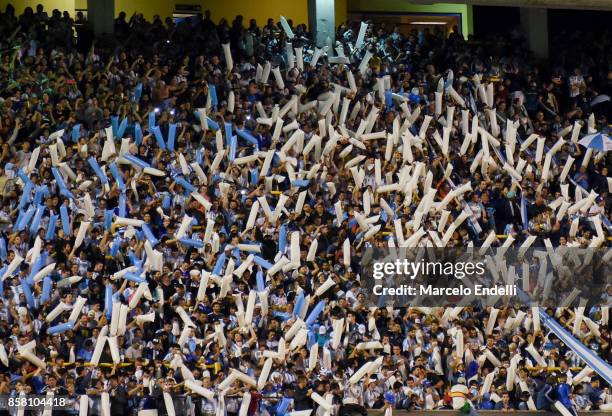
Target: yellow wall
{"points": [[340, 11], [297, 10], [20, 5], [404, 6], [148, 8], [258, 9]]}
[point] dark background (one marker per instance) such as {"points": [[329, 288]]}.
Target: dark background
{"points": [[490, 19]]}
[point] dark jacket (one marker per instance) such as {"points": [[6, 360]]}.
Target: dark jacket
{"points": [[118, 401]]}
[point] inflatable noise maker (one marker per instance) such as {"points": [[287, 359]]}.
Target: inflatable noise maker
{"points": [[118, 176], [58, 329], [61, 308], [61, 183], [27, 291], [27, 352], [97, 170]]}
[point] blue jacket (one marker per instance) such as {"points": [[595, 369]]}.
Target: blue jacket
{"points": [[563, 391], [545, 397]]}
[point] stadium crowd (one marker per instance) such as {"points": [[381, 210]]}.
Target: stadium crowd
{"points": [[126, 181]]}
